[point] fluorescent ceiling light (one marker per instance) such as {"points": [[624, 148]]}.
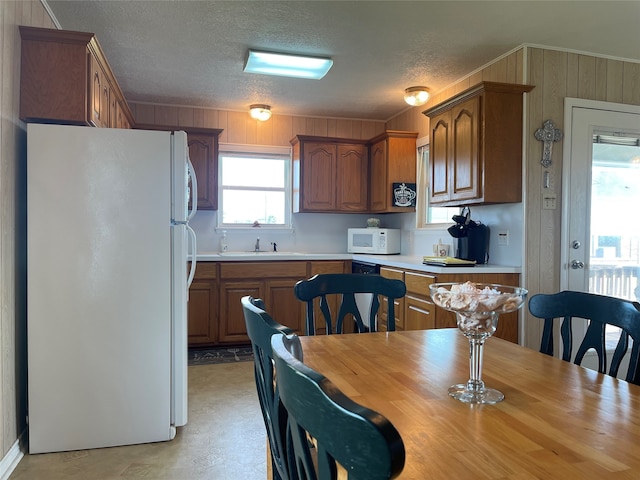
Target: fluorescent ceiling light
{"points": [[285, 65]]}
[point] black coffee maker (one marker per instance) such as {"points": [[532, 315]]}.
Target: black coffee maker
{"points": [[472, 238]]}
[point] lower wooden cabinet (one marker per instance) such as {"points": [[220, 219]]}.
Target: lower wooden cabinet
{"points": [[203, 306], [215, 311], [216, 317], [420, 313]]}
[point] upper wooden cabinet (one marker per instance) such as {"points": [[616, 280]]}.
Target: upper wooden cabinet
{"points": [[393, 160], [351, 176], [475, 151], [329, 174], [203, 152], [65, 78]]}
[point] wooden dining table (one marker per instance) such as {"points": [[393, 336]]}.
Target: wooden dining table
{"points": [[557, 420]]}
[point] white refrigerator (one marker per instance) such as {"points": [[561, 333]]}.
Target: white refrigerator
{"points": [[108, 239]]}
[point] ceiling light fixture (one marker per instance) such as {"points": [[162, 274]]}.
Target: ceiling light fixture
{"points": [[285, 65], [416, 95], [260, 112]]}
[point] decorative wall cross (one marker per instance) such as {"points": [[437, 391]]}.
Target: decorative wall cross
{"points": [[548, 134]]}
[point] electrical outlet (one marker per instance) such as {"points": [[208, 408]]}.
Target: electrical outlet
{"points": [[503, 237], [549, 201]]}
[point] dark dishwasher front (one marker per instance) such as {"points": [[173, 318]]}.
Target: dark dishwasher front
{"points": [[364, 267], [363, 300]]}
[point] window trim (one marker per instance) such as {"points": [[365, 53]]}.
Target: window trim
{"points": [[253, 150], [422, 202]]}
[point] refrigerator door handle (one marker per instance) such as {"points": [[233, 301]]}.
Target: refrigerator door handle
{"points": [[192, 270], [194, 191]]}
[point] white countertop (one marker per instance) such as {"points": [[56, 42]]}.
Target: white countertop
{"points": [[414, 262], [409, 262], [268, 256]]}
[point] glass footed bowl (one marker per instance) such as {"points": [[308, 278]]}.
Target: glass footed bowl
{"points": [[477, 307], [477, 304]]}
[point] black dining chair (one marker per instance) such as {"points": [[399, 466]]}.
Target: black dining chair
{"points": [[260, 328], [599, 311], [327, 431], [345, 286]]}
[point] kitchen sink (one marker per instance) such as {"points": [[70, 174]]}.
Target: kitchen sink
{"points": [[261, 253]]}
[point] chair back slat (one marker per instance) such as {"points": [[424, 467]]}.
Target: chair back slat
{"points": [[344, 286], [344, 434], [599, 311]]}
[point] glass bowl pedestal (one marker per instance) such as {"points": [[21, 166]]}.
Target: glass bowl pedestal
{"points": [[477, 307]]}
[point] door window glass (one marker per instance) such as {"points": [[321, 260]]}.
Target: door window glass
{"points": [[615, 230]]}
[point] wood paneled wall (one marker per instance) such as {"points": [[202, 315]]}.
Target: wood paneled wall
{"points": [[13, 358], [507, 69], [555, 75], [240, 128]]}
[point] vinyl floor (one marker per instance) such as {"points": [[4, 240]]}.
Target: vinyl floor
{"points": [[224, 439]]}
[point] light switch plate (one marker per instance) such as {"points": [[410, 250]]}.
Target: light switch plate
{"points": [[503, 237], [548, 201]]}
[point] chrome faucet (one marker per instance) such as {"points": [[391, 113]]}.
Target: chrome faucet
{"points": [[257, 247]]}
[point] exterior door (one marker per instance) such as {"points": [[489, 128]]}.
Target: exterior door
{"points": [[601, 231], [601, 238]]}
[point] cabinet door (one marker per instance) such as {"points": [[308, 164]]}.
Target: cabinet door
{"points": [[203, 312], [282, 304], [439, 158], [465, 165], [99, 95], [121, 118], [378, 193], [232, 327], [351, 179], [319, 177], [203, 152], [398, 303]]}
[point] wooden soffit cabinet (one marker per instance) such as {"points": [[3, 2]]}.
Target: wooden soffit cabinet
{"points": [[65, 78]]}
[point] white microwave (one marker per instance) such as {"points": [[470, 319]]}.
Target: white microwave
{"points": [[380, 241]]}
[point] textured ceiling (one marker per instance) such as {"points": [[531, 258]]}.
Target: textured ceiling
{"points": [[188, 52]]}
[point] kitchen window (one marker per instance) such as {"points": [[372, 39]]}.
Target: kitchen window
{"points": [[427, 216], [254, 186]]}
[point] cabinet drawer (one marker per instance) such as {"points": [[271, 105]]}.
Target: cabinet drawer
{"points": [[329, 266], [206, 270], [391, 273], [263, 269], [419, 314], [418, 283]]}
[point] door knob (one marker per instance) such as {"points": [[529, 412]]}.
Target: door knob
{"points": [[577, 264]]}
